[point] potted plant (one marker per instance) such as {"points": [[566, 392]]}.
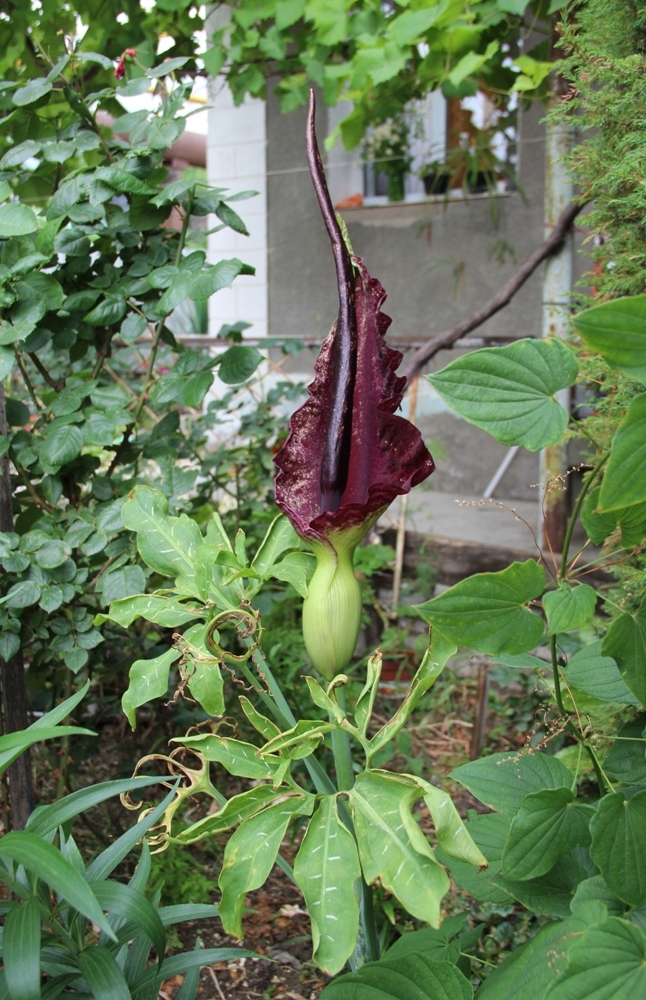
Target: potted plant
{"points": [[388, 147], [436, 176]]}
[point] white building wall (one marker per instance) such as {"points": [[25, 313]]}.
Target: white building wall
{"points": [[236, 159]]}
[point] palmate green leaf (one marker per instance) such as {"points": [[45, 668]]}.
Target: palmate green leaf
{"points": [[295, 568], [619, 845], [279, 538], [632, 522], [237, 809], [325, 870], [450, 830], [569, 607], [502, 780], [251, 852], [21, 950], [205, 682], [617, 330], [266, 727], [366, 700], [239, 758], [392, 847], [165, 611], [488, 611], [148, 680], [123, 583], [594, 889], [435, 659], [305, 732], [166, 544], [489, 831], [102, 974], [625, 642], [606, 963], [548, 824], [46, 863], [624, 481], [418, 978], [599, 676], [509, 391]]}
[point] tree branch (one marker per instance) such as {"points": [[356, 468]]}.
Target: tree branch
{"points": [[446, 339]]}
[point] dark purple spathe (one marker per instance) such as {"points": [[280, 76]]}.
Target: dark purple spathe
{"points": [[348, 455], [387, 456]]}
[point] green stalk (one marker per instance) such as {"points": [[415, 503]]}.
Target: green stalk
{"points": [[366, 948], [571, 728], [569, 725], [577, 510], [277, 705]]}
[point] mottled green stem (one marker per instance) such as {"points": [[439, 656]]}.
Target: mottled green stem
{"points": [[366, 948], [277, 705]]}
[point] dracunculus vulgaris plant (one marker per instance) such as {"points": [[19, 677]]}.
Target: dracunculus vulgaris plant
{"points": [[347, 457], [348, 454]]}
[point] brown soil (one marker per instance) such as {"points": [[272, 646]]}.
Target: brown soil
{"points": [[277, 928]]}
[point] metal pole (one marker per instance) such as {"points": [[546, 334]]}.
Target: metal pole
{"points": [[403, 507], [557, 288]]}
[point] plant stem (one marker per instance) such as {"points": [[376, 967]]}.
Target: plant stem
{"points": [[342, 750], [27, 381], [29, 486], [366, 948], [569, 725], [283, 714], [577, 510], [43, 371]]}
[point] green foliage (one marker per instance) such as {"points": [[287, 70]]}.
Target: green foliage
{"points": [[420, 979], [95, 379], [326, 869], [508, 391], [43, 868], [489, 611], [605, 42], [381, 58]]}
